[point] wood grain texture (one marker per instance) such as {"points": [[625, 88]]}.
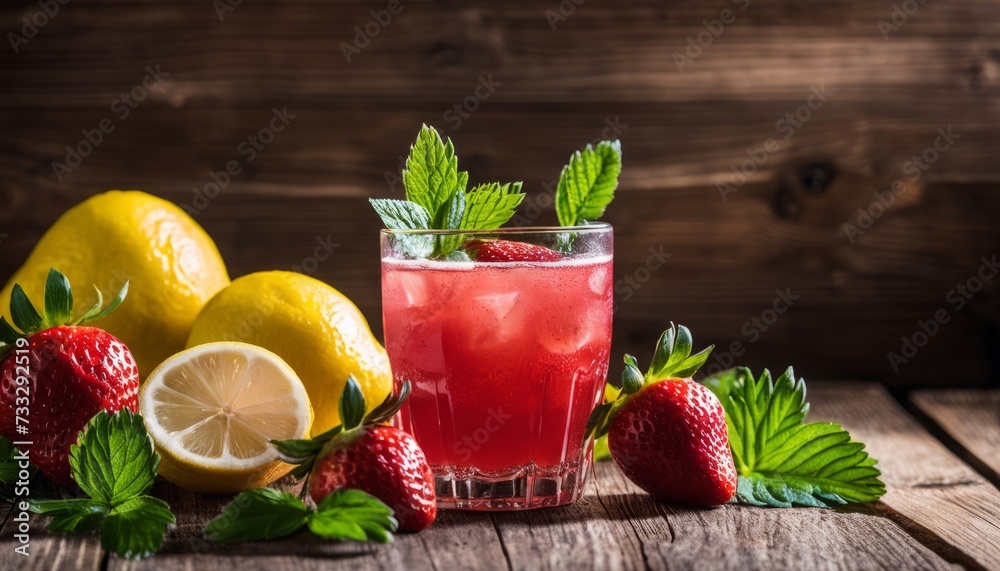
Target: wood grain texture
{"points": [[48, 551], [971, 421], [938, 512], [608, 64], [740, 537], [939, 498]]}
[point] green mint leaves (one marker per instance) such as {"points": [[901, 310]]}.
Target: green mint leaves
{"points": [[436, 196], [257, 515], [114, 463], [587, 184], [431, 176], [783, 461], [436, 199]]}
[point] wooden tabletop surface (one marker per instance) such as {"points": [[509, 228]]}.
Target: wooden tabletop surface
{"points": [[939, 453]]}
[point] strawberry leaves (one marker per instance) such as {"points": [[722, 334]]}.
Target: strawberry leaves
{"points": [[258, 515], [58, 310], [114, 464], [671, 360], [783, 461], [304, 452]]}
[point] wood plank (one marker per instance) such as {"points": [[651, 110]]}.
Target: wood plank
{"points": [[49, 551], [970, 419], [775, 45], [930, 491], [740, 537], [457, 540], [728, 258]]}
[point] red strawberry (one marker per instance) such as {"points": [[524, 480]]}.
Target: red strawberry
{"points": [[382, 460], [668, 433], [509, 251], [56, 377]]}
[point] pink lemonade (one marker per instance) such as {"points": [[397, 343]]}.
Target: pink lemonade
{"points": [[506, 360]]}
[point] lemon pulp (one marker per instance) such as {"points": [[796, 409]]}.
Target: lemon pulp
{"points": [[213, 410]]}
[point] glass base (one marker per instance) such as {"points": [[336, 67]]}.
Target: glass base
{"points": [[522, 488]]}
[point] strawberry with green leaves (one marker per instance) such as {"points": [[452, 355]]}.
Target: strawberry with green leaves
{"points": [[365, 454], [668, 433], [58, 374]]}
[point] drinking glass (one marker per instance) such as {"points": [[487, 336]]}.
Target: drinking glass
{"points": [[506, 360]]}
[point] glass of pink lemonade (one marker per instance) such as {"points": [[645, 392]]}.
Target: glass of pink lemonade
{"points": [[506, 359]]}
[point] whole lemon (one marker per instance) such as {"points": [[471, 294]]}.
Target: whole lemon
{"points": [[172, 265], [309, 324]]}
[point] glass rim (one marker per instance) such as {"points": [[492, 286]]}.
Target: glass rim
{"points": [[592, 227]]}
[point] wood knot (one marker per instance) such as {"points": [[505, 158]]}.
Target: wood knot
{"points": [[444, 53], [816, 177], [785, 204]]}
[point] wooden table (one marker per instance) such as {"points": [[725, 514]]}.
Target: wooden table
{"points": [[942, 510]]}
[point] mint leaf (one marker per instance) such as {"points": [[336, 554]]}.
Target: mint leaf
{"points": [[114, 463], [135, 528], [114, 459], [257, 515], [355, 515], [490, 206], [400, 214], [431, 175], [403, 215], [587, 184], [782, 461]]}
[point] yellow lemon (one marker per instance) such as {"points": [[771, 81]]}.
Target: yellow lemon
{"points": [[213, 410], [118, 236], [312, 326]]}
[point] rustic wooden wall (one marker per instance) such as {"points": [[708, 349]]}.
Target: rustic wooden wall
{"points": [[555, 89]]}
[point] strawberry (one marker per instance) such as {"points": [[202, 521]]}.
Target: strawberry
{"points": [[57, 375], [365, 454], [668, 433], [510, 251]]}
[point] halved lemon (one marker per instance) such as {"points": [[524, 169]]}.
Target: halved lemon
{"points": [[212, 411]]}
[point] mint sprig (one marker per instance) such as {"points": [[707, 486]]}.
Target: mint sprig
{"points": [[588, 182], [436, 199], [431, 176], [347, 514], [114, 463], [783, 461]]}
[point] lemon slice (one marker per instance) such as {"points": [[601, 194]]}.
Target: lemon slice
{"points": [[212, 411]]}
